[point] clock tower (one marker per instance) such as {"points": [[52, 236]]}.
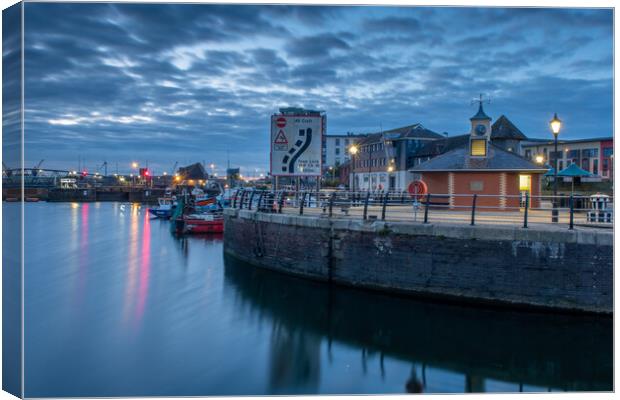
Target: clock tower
{"points": [[480, 132]]}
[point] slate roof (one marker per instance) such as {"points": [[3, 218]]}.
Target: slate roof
{"points": [[458, 159], [480, 115], [435, 147], [503, 128], [409, 131], [193, 171]]}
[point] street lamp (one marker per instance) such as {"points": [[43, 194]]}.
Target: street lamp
{"points": [[539, 159], [556, 125], [353, 149]]}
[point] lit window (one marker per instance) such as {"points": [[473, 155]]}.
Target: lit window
{"points": [[525, 182], [479, 147]]}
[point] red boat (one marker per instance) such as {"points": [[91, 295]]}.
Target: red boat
{"points": [[200, 223]]}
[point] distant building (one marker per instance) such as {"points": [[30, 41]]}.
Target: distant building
{"points": [[594, 155], [383, 159], [335, 149], [484, 162]]}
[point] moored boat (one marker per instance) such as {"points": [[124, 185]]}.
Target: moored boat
{"points": [[164, 209], [200, 223]]}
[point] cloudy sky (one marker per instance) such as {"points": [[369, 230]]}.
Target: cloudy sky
{"points": [[166, 83]]}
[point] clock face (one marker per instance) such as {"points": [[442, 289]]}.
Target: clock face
{"points": [[481, 129]]}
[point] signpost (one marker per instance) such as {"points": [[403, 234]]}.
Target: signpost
{"points": [[296, 145]]}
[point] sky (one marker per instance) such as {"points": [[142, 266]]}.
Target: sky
{"points": [[161, 83]]}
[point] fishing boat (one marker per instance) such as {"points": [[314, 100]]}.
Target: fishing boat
{"points": [[164, 209], [211, 222]]}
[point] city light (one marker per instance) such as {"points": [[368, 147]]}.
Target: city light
{"points": [[165, 173], [134, 165], [353, 149], [391, 168], [539, 159], [556, 124]]}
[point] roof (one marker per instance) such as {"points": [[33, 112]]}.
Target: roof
{"points": [[410, 131], [435, 147], [503, 128], [573, 171], [193, 171], [480, 115], [538, 141], [458, 159]]}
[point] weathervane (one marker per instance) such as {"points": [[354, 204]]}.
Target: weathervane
{"points": [[480, 100]]}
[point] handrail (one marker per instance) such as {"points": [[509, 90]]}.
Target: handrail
{"points": [[519, 210]]}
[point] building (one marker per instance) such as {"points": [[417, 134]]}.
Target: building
{"points": [[593, 155], [485, 162], [383, 159], [335, 149]]}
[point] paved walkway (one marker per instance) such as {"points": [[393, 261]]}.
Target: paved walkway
{"points": [[537, 218]]}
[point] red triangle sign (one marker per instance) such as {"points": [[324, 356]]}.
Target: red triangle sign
{"points": [[280, 138]]}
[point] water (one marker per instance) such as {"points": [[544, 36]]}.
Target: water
{"points": [[117, 306]]}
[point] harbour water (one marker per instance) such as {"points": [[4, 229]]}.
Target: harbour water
{"points": [[115, 305]]}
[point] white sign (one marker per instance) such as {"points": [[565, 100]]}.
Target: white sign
{"points": [[296, 145]]}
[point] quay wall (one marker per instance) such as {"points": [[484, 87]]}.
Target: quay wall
{"points": [[503, 265]]}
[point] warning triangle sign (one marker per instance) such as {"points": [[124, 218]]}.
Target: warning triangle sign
{"points": [[280, 138]]}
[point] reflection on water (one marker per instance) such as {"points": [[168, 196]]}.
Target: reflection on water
{"points": [[117, 306]]}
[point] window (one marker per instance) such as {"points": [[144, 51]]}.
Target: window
{"points": [[337, 142], [479, 147], [608, 152], [346, 142], [560, 165], [573, 154], [525, 182], [589, 153], [337, 150], [595, 166], [605, 164], [528, 154], [585, 164]]}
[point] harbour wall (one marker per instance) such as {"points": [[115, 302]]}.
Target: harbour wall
{"points": [[502, 265]]}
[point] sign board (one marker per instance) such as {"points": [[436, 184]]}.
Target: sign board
{"points": [[296, 145]]}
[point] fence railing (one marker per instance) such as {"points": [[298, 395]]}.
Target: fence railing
{"points": [[520, 209]]}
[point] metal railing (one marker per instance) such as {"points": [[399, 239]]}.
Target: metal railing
{"points": [[520, 209]]}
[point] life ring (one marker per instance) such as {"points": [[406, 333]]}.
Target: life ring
{"points": [[417, 189]]}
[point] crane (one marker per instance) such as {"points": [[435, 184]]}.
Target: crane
{"points": [[174, 167], [5, 170], [105, 167], [35, 170]]}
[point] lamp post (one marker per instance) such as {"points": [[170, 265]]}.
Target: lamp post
{"points": [[556, 125], [353, 151]]}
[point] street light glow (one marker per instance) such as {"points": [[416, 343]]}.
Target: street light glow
{"points": [[539, 159], [134, 165], [353, 149], [556, 124]]}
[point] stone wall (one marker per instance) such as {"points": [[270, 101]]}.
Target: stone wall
{"points": [[550, 268]]}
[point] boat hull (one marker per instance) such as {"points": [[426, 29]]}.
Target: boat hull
{"points": [[189, 225], [160, 213]]}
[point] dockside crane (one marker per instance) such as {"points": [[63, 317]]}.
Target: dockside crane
{"points": [[6, 170], [35, 170], [105, 168]]}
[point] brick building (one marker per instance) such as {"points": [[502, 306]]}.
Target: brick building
{"points": [[383, 159], [486, 161]]}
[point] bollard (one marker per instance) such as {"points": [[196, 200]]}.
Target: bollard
{"points": [[473, 209], [428, 202], [331, 203], [366, 204], [572, 213], [251, 198], [385, 199], [301, 205], [527, 206]]}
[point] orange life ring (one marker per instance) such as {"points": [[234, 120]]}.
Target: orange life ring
{"points": [[417, 189]]}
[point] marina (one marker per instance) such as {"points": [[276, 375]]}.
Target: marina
{"points": [[112, 296]]}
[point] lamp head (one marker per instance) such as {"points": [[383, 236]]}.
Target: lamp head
{"points": [[556, 124], [353, 149]]}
